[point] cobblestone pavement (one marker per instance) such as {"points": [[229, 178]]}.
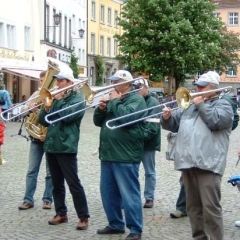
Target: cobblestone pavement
{"points": [[32, 223]]}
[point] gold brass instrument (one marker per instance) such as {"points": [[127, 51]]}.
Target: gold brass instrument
{"points": [[89, 95], [32, 126], [183, 99]]}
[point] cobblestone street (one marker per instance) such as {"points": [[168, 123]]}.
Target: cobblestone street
{"points": [[32, 224]]}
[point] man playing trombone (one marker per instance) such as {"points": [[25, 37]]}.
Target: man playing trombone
{"points": [[200, 153], [61, 147], [152, 140], [120, 153]]}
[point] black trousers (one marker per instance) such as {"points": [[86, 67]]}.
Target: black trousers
{"points": [[64, 166]]}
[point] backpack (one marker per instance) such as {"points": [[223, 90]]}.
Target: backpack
{"points": [[2, 100], [234, 107]]}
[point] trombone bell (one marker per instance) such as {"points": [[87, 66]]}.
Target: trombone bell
{"points": [[183, 97]]}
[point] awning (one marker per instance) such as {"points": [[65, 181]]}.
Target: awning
{"points": [[24, 73]]}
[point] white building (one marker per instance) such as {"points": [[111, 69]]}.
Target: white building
{"points": [[28, 32]]}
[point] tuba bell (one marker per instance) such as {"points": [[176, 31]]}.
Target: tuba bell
{"points": [[33, 128]]}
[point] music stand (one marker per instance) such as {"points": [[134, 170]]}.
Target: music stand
{"points": [[20, 131]]}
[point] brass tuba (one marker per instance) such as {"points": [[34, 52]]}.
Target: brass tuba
{"points": [[33, 128]]}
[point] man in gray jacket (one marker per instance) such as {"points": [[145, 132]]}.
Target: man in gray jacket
{"points": [[201, 150]]}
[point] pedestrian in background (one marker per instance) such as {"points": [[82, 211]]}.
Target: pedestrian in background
{"points": [[120, 153], [35, 158], [2, 128], [200, 153], [61, 147], [5, 100], [152, 141]]}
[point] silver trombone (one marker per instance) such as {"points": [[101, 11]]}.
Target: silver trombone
{"points": [[147, 118], [89, 96], [183, 99], [81, 110], [46, 97]]}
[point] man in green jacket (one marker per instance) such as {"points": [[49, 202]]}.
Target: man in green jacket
{"points": [[61, 147], [151, 142], [120, 153]]}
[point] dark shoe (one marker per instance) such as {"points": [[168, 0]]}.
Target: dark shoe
{"points": [[178, 214], [58, 219], [47, 205], [108, 230], [133, 236], [82, 224], [148, 204], [25, 206]]}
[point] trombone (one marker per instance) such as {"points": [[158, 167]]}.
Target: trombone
{"points": [[183, 100], [46, 97], [89, 96]]}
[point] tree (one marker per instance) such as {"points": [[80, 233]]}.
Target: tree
{"points": [[100, 70], [73, 65], [175, 37]]}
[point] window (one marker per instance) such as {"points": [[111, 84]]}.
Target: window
{"points": [[10, 36], [93, 12], [232, 71], [101, 51], [109, 47], [109, 20], [115, 18], [27, 38], [2, 34], [102, 14], [92, 43], [79, 55], [115, 51], [233, 19], [74, 24], [83, 57], [217, 15]]}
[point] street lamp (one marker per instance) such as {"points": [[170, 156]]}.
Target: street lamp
{"points": [[56, 20], [80, 33]]}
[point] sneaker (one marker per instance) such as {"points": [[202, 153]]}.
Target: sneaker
{"points": [[148, 204], [178, 214], [82, 224], [47, 205], [25, 206], [133, 236], [108, 230], [237, 223]]}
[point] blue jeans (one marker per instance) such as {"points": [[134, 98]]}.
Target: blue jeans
{"points": [[35, 158], [181, 202], [148, 161], [120, 187]]}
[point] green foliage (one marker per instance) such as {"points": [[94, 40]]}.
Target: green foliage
{"points": [[175, 37], [73, 65], [100, 70]]}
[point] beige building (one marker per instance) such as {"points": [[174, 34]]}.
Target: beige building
{"points": [[229, 12], [102, 26]]}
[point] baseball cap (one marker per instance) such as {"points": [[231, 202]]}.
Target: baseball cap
{"points": [[208, 78], [141, 81], [121, 74]]}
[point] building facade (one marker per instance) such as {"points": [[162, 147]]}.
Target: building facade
{"points": [[229, 11], [29, 35], [102, 47]]}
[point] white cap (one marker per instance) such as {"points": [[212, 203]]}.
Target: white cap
{"points": [[207, 78], [121, 74], [141, 81]]}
